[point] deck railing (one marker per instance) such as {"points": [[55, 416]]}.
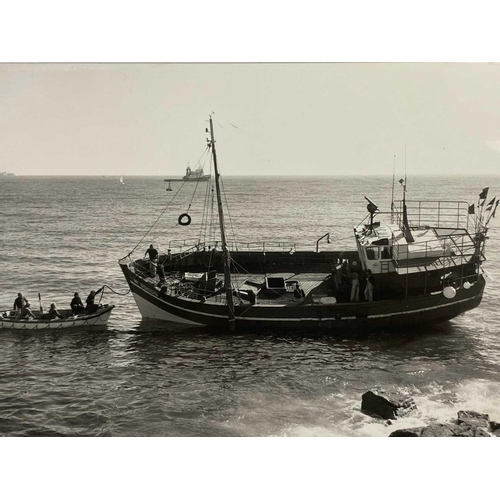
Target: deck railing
{"points": [[181, 246], [439, 252], [436, 214]]}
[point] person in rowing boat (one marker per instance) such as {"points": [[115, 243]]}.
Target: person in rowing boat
{"points": [[54, 313], [19, 302], [76, 305], [25, 312], [91, 307]]}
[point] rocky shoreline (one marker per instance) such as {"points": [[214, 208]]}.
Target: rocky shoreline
{"points": [[391, 406]]}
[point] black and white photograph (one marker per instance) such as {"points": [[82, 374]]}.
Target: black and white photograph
{"points": [[235, 248]]}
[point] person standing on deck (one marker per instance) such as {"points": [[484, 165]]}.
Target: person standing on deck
{"points": [[153, 253], [369, 286], [160, 271], [354, 287]]}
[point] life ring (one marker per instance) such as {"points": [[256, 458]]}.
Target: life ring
{"points": [[184, 219]]}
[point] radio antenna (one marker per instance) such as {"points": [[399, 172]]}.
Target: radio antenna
{"points": [[405, 166]]}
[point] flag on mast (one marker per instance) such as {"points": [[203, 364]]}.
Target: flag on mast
{"points": [[482, 195], [489, 206], [492, 216], [495, 209], [471, 210]]}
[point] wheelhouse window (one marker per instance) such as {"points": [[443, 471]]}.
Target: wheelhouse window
{"points": [[372, 253], [386, 253]]}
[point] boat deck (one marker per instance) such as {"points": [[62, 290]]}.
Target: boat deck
{"points": [[313, 285]]}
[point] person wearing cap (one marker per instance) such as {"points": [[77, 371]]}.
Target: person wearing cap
{"points": [[53, 312], [91, 307]]}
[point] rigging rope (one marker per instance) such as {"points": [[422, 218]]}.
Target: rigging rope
{"points": [[229, 214], [197, 182], [211, 232], [163, 211], [115, 292], [156, 221], [204, 217]]}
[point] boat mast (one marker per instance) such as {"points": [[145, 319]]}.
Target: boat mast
{"points": [[392, 197], [225, 251]]}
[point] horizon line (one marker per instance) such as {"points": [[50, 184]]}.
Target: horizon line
{"points": [[179, 178]]}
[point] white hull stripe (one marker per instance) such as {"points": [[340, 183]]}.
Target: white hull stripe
{"points": [[423, 309], [370, 316]]}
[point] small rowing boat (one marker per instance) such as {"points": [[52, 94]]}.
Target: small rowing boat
{"points": [[41, 322]]}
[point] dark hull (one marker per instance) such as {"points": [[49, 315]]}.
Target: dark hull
{"points": [[196, 179], [416, 310], [202, 178]]}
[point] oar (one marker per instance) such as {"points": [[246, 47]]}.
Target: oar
{"points": [[41, 305]]}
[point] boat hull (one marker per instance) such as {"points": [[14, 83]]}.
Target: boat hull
{"points": [[418, 310], [203, 178], [100, 318]]}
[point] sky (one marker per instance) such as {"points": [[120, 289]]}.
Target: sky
{"points": [[270, 119]]}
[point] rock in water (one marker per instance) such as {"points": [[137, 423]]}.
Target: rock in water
{"points": [[414, 432], [495, 428], [468, 424], [376, 405], [473, 418]]}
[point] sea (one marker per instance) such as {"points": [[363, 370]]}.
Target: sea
{"points": [[137, 377]]}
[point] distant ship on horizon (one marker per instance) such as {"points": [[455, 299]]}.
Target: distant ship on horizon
{"points": [[192, 176], [7, 174]]}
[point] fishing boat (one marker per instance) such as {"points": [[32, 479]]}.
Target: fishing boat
{"points": [[418, 263], [69, 320]]}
